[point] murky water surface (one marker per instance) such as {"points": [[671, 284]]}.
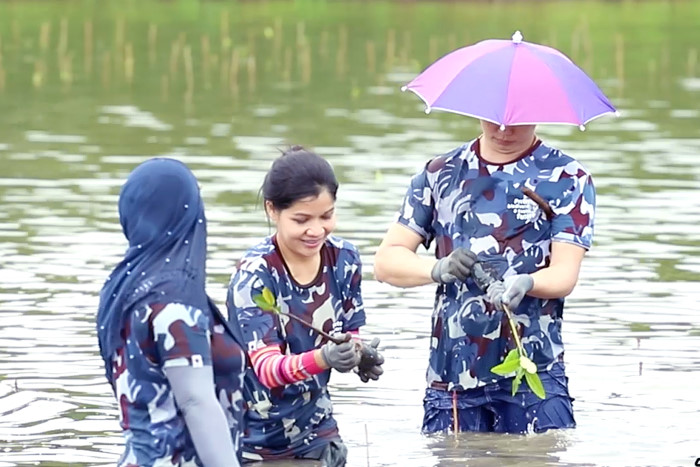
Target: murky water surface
{"points": [[87, 93]]}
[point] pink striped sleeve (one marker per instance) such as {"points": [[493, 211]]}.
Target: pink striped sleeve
{"points": [[274, 369]]}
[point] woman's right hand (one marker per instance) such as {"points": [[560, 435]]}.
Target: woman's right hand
{"points": [[342, 357]]}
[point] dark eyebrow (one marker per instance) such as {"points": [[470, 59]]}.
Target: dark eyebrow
{"points": [[303, 214]]}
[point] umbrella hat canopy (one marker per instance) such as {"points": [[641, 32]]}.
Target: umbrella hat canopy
{"points": [[511, 82]]}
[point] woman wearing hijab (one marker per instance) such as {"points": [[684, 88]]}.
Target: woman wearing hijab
{"points": [[174, 364]]}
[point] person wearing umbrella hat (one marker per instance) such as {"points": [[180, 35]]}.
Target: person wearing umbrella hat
{"points": [[469, 203], [516, 209]]}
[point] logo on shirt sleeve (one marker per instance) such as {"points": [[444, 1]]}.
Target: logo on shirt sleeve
{"points": [[197, 361]]}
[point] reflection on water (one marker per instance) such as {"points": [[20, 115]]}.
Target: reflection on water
{"points": [[89, 96]]}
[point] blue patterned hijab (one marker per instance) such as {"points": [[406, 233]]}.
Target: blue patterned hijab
{"points": [[162, 216]]}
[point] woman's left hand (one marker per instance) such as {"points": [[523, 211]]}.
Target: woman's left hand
{"points": [[510, 291], [371, 361]]}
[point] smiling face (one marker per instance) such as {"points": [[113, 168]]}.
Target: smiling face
{"points": [[302, 228]]}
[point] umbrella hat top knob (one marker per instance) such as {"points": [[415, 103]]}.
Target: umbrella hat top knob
{"points": [[517, 37]]}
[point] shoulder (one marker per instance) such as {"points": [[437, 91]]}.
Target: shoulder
{"points": [[440, 162], [257, 267], [346, 262], [553, 159], [342, 249], [162, 315], [256, 256]]}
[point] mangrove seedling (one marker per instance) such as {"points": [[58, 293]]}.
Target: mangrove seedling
{"points": [[266, 302], [517, 360]]}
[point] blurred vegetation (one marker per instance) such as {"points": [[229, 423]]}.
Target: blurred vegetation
{"points": [[221, 61]]}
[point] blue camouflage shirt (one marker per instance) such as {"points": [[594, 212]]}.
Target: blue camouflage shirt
{"points": [[460, 200], [159, 336], [292, 420]]}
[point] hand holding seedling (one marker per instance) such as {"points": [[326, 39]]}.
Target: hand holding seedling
{"points": [[510, 291], [340, 352], [266, 302], [504, 294], [342, 357]]}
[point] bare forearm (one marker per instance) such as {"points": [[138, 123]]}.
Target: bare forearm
{"points": [[559, 279], [401, 267], [553, 282]]}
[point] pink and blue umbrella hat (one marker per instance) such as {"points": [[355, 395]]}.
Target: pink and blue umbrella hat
{"points": [[511, 82]]}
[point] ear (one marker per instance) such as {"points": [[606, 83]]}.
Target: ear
{"points": [[271, 212]]}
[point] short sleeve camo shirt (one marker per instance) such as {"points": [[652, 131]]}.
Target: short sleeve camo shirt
{"points": [[460, 200], [159, 336], [292, 420]]}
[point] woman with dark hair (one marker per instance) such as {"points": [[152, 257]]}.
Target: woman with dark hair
{"points": [[316, 277], [174, 364]]}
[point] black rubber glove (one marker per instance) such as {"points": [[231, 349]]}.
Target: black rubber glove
{"points": [[371, 361]]}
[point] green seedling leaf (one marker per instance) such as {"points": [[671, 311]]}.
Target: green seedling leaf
{"points": [[509, 365], [528, 365], [512, 355], [517, 380], [262, 304], [506, 368], [268, 296], [266, 302], [533, 380], [525, 366]]}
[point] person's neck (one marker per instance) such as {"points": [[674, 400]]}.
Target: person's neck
{"points": [[303, 269], [493, 155]]}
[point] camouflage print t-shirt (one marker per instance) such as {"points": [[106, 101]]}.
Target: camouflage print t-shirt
{"points": [[460, 200], [159, 336], [295, 419]]}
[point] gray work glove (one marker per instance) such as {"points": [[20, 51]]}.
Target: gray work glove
{"points": [[343, 357], [455, 266], [510, 291], [371, 361]]}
